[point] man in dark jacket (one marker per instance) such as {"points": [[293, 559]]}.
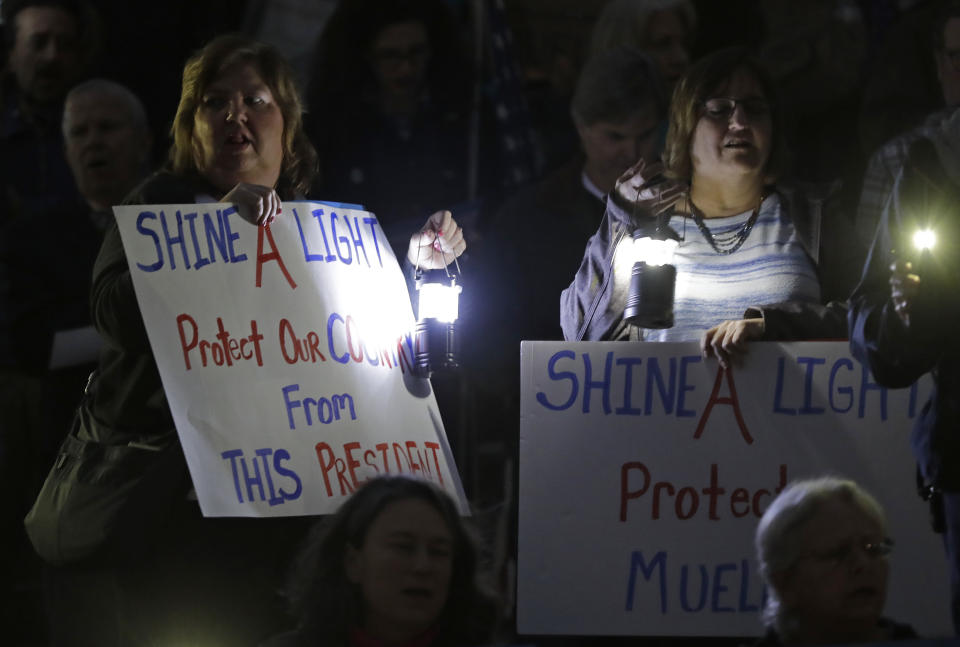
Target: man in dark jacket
{"points": [[904, 316]]}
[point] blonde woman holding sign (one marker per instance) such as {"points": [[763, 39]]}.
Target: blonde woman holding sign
{"points": [[238, 138]]}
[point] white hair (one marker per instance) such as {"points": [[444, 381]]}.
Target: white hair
{"points": [[135, 109], [776, 539]]}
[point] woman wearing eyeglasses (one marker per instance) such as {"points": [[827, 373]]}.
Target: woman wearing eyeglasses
{"points": [[822, 547], [741, 241]]}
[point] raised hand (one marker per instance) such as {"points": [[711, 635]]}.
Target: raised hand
{"points": [[438, 242], [644, 190], [257, 204]]}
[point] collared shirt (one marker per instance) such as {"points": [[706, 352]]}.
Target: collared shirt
{"points": [[882, 172], [592, 188], [34, 175]]}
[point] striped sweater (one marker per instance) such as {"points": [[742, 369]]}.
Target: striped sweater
{"points": [[770, 267]]}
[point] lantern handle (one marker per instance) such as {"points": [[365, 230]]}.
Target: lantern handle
{"points": [[418, 273]]}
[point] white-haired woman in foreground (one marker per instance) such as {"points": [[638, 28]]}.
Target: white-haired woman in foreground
{"points": [[822, 546]]}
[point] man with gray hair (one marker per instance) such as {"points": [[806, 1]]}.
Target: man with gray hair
{"points": [[619, 110], [46, 261], [536, 242], [108, 143]]}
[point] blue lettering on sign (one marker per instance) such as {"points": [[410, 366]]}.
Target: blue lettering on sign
{"points": [[847, 391], [778, 392], [637, 562], [251, 475], [332, 319], [719, 588], [217, 235], [684, 593], [232, 236], [308, 256], [841, 394], [628, 409], [685, 361], [175, 240], [340, 239], [696, 584], [668, 390], [560, 375], [348, 247], [589, 384], [866, 385], [671, 388], [326, 410], [200, 261], [145, 215], [808, 407]]}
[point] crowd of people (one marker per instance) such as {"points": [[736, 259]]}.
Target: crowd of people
{"points": [[778, 235]]}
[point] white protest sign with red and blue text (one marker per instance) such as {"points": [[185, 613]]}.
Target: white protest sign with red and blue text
{"points": [[285, 354], [644, 470]]}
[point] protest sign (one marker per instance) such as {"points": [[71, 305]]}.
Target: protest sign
{"points": [[285, 354], [644, 470]]}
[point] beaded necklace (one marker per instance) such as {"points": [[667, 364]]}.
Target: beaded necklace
{"points": [[729, 242]]}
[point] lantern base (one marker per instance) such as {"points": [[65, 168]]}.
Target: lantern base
{"points": [[436, 347], [650, 299]]}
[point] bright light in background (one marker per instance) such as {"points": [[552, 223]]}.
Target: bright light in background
{"points": [[653, 251], [924, 239], [439, 301]]}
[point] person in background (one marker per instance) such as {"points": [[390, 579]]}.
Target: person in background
{"points": [[822, 548], [904, 316], [237, 138], [396, 565], [108, 144], [887, 162], [617, 107], [389, 103], [45, 268], [50, 46], [45, 264], [662, 29], [739, 242], [537, 238], [900, 82]]}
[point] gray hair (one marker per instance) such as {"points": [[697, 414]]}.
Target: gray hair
{"points": [[135, 109], [623, 23], [776, 539], [616, 83]]}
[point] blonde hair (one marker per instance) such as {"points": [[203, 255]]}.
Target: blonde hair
{"points": [[299, 166]]}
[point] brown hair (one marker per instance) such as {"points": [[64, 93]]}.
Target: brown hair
{"points": [[701, 81], [299, 165], [328, 606]]}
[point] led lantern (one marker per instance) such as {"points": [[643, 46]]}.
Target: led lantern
{"points": [[436, 343], [653, 277]]}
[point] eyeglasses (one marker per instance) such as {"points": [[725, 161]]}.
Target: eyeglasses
{"points": [[722, 108], [844, 554]]}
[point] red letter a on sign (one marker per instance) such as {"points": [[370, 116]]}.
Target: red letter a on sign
{"points": [[731, 400], [274, 255]]}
